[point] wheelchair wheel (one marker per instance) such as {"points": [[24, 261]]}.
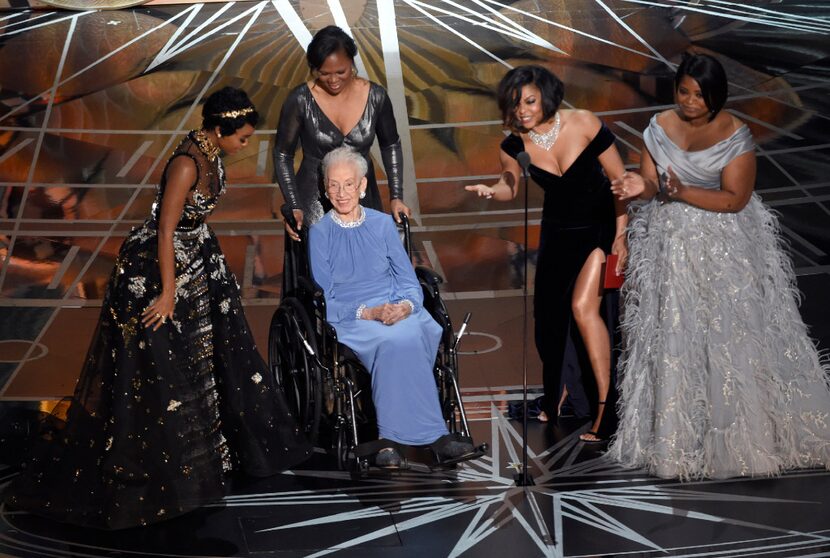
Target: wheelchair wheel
{"points": [[342, 446], [451, 416], [434, 304], [449, 401], [296, 371]]}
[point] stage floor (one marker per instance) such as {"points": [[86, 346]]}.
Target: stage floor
{"points": [[91, 104], [580, 506]]}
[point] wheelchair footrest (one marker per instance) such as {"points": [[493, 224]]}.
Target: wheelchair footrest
{"points": [[446, 446], [478, 451], [368, 450]]}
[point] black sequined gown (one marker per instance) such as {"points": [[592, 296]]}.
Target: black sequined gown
{"points": [[158, 418], [577, 217]]}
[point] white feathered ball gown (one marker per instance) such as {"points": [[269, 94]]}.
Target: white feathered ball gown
{"points": [[719, 376]]}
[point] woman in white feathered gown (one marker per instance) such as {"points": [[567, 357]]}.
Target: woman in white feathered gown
{"points": [[719, 376]]}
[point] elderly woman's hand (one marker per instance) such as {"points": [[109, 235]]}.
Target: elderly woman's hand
{"points": [[393, 313], [387, 314]]}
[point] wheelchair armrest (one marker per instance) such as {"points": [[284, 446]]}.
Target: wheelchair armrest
{"points": [[330, 331], [310, 287], [428, 276]]}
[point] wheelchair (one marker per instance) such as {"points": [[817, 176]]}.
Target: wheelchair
{"points": [[328, 389]]}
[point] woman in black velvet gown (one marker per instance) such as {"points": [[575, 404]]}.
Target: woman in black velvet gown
{"points": [[581, 222], [335, 108], [173, 394]]}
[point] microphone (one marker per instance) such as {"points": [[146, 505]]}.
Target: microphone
{"points": [[523, 478], [524, 160]]}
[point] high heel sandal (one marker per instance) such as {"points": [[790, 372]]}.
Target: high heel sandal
{"points": [[515, 410], [596, 437]]}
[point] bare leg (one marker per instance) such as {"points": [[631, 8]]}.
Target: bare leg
{"points": [[586, 301], [562, 401]]}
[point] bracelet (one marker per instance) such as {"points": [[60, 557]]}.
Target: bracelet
{"points": [[409, 302], [359, 314], [660, 188]]}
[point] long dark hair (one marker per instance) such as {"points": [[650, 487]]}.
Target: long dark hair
{"points": [[709, 75], [217, 108], [326, 42], [510, 93]]}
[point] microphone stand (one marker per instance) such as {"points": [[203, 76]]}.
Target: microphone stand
{"points": [[523, 478]]}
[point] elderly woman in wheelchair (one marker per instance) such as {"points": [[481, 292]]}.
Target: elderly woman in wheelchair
{"points": [[374, 301]]}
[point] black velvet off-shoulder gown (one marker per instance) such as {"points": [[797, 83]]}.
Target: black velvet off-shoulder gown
{"points": [[577, 217]]}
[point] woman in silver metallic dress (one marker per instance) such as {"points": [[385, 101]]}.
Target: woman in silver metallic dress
{"points": [[719, 376], [173, 394], [336, 108]]}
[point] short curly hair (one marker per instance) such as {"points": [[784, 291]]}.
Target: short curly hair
{"points": [[344, 154], [510, 93], [228, 99]]}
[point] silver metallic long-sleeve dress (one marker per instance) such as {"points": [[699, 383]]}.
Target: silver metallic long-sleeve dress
{"points": [[303, 121], [719, 375]]}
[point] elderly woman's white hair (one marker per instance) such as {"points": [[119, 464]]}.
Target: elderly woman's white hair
{"points": [[345, 154]]}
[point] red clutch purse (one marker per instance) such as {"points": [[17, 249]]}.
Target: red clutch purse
{"points": [[610, 279]]}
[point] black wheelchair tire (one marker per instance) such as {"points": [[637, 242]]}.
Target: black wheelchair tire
{"points": [[342, 446], [449, 402], [295, 370]]}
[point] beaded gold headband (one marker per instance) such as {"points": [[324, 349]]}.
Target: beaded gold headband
{"points": [[235, 113]]}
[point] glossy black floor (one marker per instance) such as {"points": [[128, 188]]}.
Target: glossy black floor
{"points": [[580, 505]]}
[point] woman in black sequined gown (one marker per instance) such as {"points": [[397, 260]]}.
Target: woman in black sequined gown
{"points": [[581, 222], [334, 109], [173, 394]]}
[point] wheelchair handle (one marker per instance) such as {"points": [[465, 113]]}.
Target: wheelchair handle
{"points": [[310, 287], [407, 235], [288, 215]]}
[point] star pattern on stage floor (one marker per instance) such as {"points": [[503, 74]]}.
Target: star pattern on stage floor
{"points": [[485, 502]]}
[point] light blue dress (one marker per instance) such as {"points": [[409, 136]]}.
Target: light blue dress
{"points": [[367, 265], [719, 375]]}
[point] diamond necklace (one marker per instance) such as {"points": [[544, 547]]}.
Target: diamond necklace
{"points": [[348, 224], [546, 140]]}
